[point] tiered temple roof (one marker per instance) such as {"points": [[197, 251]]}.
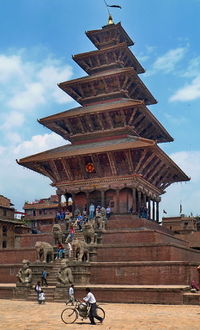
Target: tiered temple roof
{"points": [[112, 130]]}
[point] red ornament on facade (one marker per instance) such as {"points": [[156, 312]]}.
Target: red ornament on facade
{"points": [[89, 167]]}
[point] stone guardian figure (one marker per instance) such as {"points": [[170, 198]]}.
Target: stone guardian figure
{"points": [[24, 275], [65, 276]]}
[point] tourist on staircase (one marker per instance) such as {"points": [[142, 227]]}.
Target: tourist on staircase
{"points": [[44, 277], [60, 251]]}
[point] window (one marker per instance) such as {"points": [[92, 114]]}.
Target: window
{"points": [[4, 229], [4, 244]]}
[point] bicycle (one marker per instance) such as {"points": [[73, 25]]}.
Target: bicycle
{"points": [[71, 314]]}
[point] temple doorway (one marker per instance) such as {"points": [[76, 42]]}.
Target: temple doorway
{"points": [[81, 201], [110, 200], [95, 198], [125, 200]]}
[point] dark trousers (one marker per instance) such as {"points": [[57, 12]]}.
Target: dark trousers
{"points": [[44, 281], [93, 314]]}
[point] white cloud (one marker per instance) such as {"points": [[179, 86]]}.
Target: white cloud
{"points": [[167, 62], [189, 92], [13, 119], [39, 143], [32, 85], [10, 67], [32, 96], [188, 194], [176, 120], [193, 69], [18, 183]]}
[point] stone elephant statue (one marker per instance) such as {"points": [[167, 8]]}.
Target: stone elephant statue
{"points": [[57, 234], [44, 251], [89, 234], [81, 251]]}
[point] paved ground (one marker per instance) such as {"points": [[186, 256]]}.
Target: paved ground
{"points": [[25, 315]]}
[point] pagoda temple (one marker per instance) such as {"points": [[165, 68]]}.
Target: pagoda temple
{"points": [[113, 157]]}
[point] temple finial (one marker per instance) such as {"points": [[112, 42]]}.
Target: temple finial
{"points": [[110, 20]]}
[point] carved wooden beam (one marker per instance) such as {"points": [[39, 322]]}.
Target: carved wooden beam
{"points": [[155, 167], [69, 126], [54, 169], [99, 117], [90, 61], [141, 161], [132, 118], [164, 186], [90, 123], [73, 92], [66, 169], [98, 61], [159, 169], [81, 125], [129, 160], [109, 119], [137, 120], [82, 167], [147, 161], [96, 165], [149, 129], [123, 116], [125, 84], [160, 180], [58, 128], [44, 171], [112, 163], [94, 90], [142, 126]]}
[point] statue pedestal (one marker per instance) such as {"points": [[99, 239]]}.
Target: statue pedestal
{"points": [[22, 290], [61, 292], [81, 272]]}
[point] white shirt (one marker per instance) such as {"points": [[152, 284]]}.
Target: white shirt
{"points": [[71, 291], [41, 296], [90, 298]]}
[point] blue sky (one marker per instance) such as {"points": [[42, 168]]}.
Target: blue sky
{"points": [[37, 39]]}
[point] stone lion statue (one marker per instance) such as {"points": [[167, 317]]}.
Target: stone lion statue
{"points": [[89, 234], [100, 223], [57, 234], [44, 252], [65, 274], [24, 275], [81, 251]]}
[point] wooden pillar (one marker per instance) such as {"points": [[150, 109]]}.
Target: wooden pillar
{"points": [[157, 211], [59, 200], [134, 200], [117, 200], [87, 198], [73, 204], [154, 210], [103, 198], [139, 202], [149, 207], [145, 199]]}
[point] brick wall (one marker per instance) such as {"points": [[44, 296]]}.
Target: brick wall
{"points": [[149, 252], [143, 273]]}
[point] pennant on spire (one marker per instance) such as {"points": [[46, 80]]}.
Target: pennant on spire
{"points": [[114, 6]]}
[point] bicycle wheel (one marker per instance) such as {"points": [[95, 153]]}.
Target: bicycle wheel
{"points": [[69, 315], [100, 312]]}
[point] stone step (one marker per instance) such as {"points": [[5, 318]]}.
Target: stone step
{"points": [[132, 221], [190, 298]]}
